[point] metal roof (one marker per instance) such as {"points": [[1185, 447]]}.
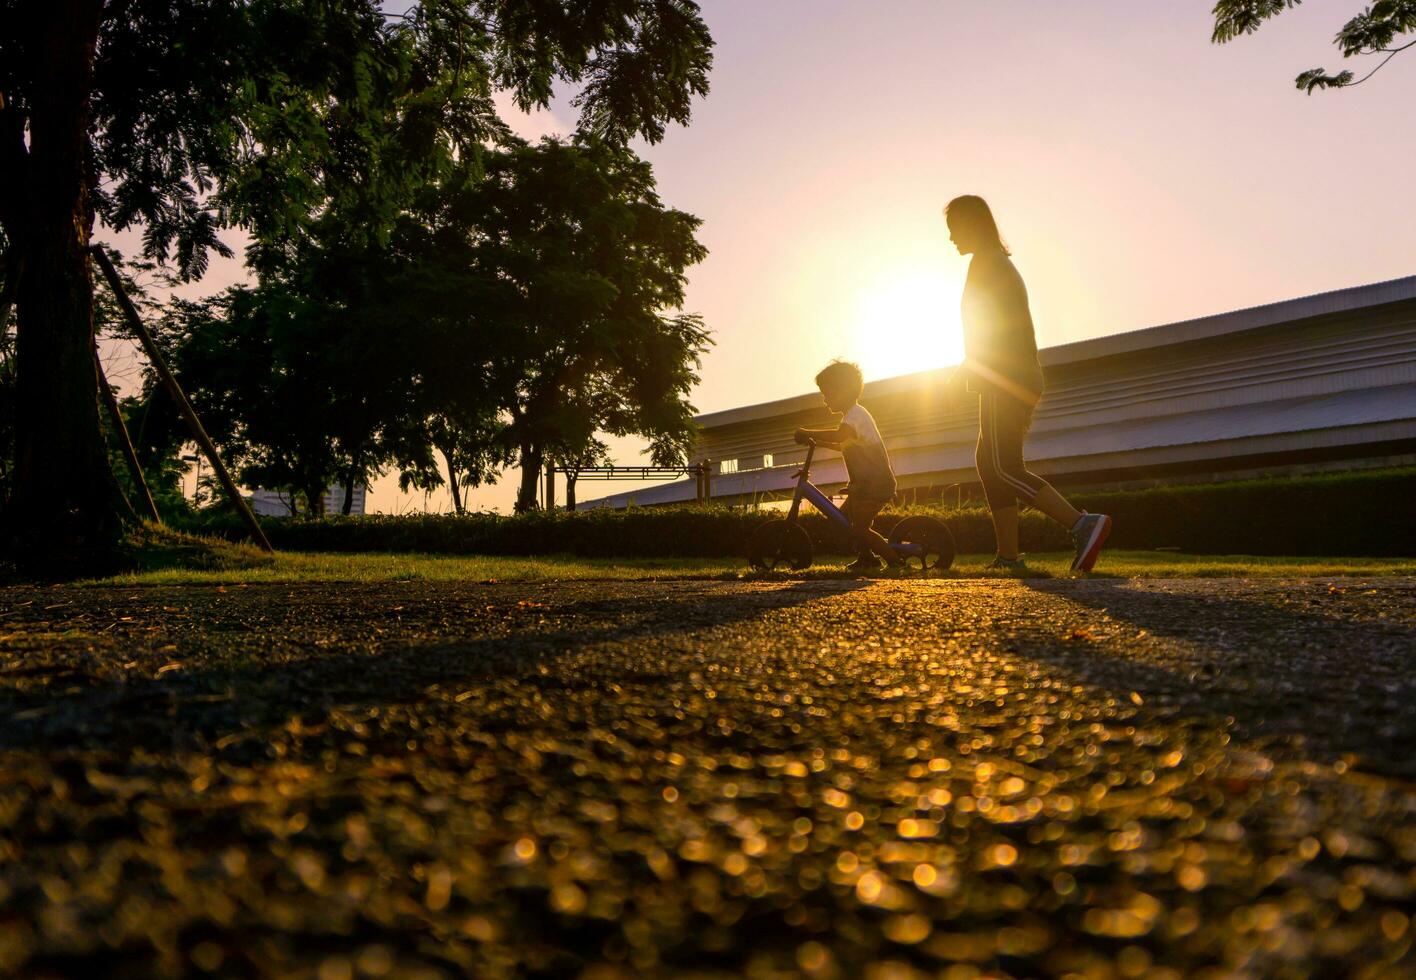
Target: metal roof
{"points": [[1346, 300], [1334, 372]]}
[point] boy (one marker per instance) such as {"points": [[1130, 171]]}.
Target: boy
{"points": [[872, 481]]}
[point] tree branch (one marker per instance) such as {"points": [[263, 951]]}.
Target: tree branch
{"points": [[1317, 78], [1390, 54]]}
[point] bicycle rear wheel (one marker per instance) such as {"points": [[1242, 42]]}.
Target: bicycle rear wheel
{"points": [[924, 543]]}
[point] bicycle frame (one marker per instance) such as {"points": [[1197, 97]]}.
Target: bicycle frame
{"points": [[808, 490], [805, 488]]}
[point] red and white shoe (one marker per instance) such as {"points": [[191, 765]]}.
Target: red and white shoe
{"points": [[1089, 534]]}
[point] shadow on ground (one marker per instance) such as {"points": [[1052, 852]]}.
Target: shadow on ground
{"points": [[1280, 662], [205, 665]]}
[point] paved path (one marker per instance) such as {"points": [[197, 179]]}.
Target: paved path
{"points": [[890, 779]]}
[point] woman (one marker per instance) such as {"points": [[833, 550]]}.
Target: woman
{"points": [[1001, 366]]}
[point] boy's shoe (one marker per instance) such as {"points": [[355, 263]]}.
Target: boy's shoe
{"points": [[864, 565], [1089, 534], [1001, 564]]}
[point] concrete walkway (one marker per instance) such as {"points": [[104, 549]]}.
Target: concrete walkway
{"points": [[827, 778]]}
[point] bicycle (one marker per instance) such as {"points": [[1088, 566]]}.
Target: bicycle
{"points": [[923, 543]]}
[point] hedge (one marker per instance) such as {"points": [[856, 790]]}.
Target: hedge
{"points": [[1357, 513], [1351, 514]]}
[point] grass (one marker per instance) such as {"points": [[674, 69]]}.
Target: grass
{"points": [[295, 566], [288, 567]]}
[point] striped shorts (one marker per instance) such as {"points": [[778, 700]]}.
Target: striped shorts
{"points": [[1003, 424]]}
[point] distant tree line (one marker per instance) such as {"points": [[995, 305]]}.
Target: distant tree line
{"points": [[512, 316], [390, 212]]}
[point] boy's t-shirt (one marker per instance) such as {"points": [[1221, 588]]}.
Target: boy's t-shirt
{"points": [[866, 459]]}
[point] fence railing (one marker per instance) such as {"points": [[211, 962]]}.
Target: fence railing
{"points": [[702, 472]]}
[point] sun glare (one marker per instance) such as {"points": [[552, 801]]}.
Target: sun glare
{"points": [[908, 322]]}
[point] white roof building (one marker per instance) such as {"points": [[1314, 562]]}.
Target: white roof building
{"points": [[279, 503], [1325, 381]]}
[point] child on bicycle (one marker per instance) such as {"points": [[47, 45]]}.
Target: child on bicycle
{"points": [[872, 481]]}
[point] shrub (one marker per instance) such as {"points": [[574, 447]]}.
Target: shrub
{"points": [[1356, 514], [1361, 513]]}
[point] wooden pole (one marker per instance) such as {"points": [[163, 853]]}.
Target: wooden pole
{"points": [[115, 413], [159, 364]]}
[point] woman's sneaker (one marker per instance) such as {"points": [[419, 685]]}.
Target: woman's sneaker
{"points": [[1001, 564], [1089, 534], [864, 565]]}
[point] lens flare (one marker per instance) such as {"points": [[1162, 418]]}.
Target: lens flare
{"points": [[908, 322]]}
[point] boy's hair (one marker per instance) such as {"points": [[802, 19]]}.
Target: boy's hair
{"points": [[842, 376]]}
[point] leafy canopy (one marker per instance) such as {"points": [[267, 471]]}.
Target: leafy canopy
{"points": [[264, 113], [591, 268], [1375, 31]]}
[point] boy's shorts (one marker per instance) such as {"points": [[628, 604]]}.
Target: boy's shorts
{"points": [[861, 510]]}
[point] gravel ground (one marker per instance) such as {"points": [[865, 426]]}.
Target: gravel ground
{"points": [[826, 778]]}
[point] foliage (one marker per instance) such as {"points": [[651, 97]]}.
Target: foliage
{"points": [[1259, 517], [184, 118], [575, 262], [514, 313], [296, 119], [1372, 32], [158, 458]]}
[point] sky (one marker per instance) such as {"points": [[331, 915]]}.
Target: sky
{"points": [[1141, 175]]}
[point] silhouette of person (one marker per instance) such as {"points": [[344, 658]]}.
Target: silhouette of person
{"points": [[1001, 367]]}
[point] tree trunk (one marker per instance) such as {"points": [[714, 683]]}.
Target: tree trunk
{"points": [[67, 505], [570, 489], [532, 462], [452, 483], [350, 478]]}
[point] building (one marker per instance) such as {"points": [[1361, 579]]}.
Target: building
{"points": [[277, 503], [1322, 382]]}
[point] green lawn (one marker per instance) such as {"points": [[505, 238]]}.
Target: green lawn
{"points": [[383, 567]]}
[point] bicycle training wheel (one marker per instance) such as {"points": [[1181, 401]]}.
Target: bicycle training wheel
{"points": [[778, 543], [924, 543]]}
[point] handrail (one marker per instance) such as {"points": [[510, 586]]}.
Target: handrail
{"points": [[630, 472]]}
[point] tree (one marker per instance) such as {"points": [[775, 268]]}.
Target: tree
{"points": [[182, 118], [255, 365], [594, 454], [1375, 31], [587, 266], [338, 365], [470, 451]]}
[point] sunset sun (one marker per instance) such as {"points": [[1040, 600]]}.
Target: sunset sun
{"points": [[906, 322]]}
